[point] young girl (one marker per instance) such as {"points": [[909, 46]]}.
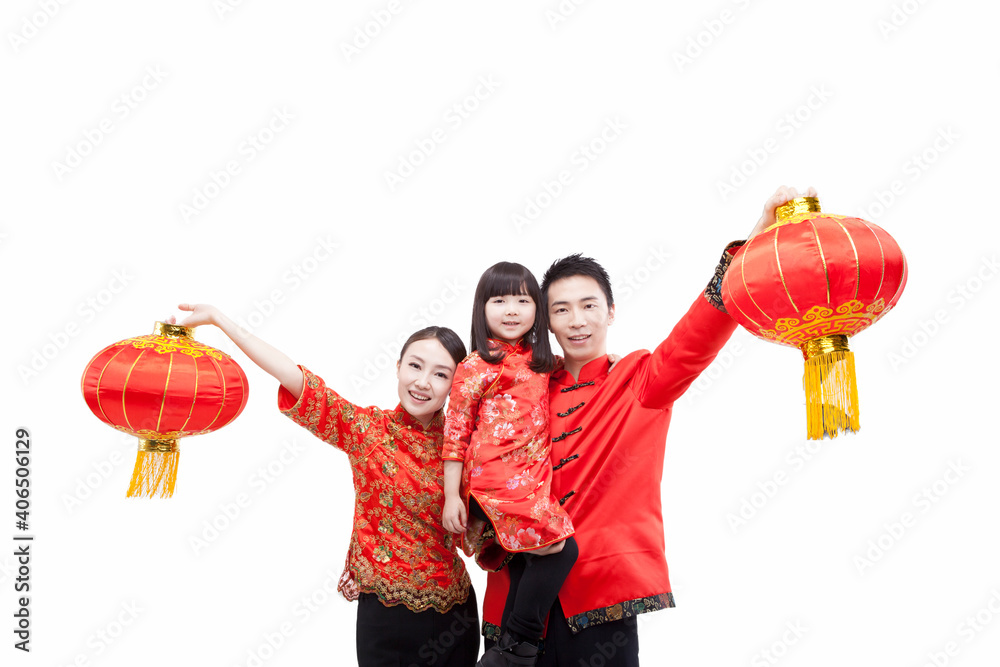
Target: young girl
{"points": [[412, 587], [497, 445]]}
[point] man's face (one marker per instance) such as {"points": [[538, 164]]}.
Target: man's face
{"points": [[579, 317]]}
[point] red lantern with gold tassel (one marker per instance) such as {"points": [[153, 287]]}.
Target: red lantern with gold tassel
{"points": [[161, 388], [811, 280]]}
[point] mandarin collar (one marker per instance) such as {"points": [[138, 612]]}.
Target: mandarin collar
{"points": [[517, 346], [591, 371], [406, 419]]}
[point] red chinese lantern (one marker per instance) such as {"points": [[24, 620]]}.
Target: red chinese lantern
{"points": [[811, 280], [161, 388]]}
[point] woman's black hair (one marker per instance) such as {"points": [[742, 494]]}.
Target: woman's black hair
{"points": [[449, 340], [511, 278]]}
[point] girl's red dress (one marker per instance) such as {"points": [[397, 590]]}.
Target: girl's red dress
{"points": [[497, 423], [399, 550]]}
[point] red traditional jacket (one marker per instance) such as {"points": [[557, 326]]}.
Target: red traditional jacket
{"points": [[608, 437], [498, 424], [399, 550]]}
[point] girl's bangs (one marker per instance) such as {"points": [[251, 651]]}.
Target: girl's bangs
{"points": [[506, 282]]}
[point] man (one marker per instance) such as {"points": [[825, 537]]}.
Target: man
{"points": [[608, 434]]}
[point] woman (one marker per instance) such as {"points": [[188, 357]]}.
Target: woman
{"points": [[401, 564]]}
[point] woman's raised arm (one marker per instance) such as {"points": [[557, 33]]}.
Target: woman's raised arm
{"points": [[271, 360]]}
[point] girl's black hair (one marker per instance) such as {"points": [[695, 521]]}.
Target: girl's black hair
{"points": [[511, 278], [449, 340]]}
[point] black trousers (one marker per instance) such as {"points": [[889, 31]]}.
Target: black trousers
{"points": [[612, 644], [397, 637], [534, 585]]}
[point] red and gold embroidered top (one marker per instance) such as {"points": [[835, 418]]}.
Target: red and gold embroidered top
{"points": [[498, 424], [399, 550]]}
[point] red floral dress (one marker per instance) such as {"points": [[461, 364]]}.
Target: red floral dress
{"points": [[399, 550], [498, 423]]}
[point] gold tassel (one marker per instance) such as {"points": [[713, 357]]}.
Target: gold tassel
{"points": [[155, 472], [831, 387]]}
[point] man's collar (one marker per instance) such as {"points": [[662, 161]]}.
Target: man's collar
{"points": [[591, 370]]}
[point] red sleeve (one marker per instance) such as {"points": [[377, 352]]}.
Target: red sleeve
{"points": [[325, 413], [693, 343], [463, 407]]}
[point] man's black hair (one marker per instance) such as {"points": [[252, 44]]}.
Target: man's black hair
{"points": [[576, 265]]}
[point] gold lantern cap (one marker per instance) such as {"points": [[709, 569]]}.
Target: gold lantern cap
{"points": [[795, 210], [173, 330]]}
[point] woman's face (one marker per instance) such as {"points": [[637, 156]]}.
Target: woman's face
{"points": [[425, 373]]}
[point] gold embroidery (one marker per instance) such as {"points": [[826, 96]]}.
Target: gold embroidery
{"points": [[881, 255], [851, 317], [393, 593], [743, 277], [163, 345], [780, 274], [399, 550], [857, 262], [822, 257]]}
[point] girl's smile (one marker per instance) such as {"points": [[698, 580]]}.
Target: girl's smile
{"points": [[510, 316]]}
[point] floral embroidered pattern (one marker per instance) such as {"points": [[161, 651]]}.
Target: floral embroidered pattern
{"points": [[398, 550], [713, 292], [620, 610], [498, 424], [491, 631]]}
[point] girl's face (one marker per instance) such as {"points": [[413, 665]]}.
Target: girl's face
{"points": [[425, 373], [510, 317]]}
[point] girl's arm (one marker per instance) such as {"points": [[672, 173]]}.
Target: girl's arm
{"points": [[271, 361], [460, 422], [454, 516]]}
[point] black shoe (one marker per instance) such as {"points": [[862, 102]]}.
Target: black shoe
{"points": [[509, 653]]}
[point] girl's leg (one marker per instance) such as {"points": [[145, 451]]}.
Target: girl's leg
{"points": [[515, 566], [537, 590]]}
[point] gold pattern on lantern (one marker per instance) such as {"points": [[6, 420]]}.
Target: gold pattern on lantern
{"points": [[162, 446], [782, 275], [826, 271], [149, 434], [795, 211], [743, 263], [857, 261], [173, 330], [162, 345], [850, 317], [881, 253]]}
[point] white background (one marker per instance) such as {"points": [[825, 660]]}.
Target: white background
{"points": [[843, 96]]}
